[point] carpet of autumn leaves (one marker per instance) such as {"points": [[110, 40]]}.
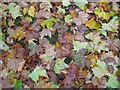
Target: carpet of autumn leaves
{"points": [[65, 44]]}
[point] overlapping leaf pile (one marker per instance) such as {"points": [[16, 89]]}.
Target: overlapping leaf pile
{"points": [[59, 45]]}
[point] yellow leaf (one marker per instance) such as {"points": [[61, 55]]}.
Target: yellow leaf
{"points": [[29, 18], [31, 12], [20, 34], [25, 10], [93, 58], [57, 44], [92, 24]]}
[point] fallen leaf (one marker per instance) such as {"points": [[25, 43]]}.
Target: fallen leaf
{"points": [[92, 24], [60, 65], [38, 71], [45, 32], [31, 11], [100, 69]]}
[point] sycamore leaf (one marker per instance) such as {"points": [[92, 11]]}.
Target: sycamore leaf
{"points": [[48, 23], [92, 24], [60, 64], [112, 82], [100, 69], [38, 71], [112, 25], [31, 11], [65, 2]]}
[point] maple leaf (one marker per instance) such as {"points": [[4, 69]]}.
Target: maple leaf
{"points": [[60, 65], [38, 71]]}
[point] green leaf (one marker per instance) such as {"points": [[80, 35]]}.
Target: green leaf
{"points": [[17, 84], [38, 71], [2, 37], [103, 32], [14, 10], [94, 36], [80, 3], [48, 23], [65, 2], [79, 45], [31, 12], [46, 57], [68, 18], [3, 45], [112, 82], [60, 64], [112, 25], [100, 69], [61, 10], [53, 38], [102, 14]]}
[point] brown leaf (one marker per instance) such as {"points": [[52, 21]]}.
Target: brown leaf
{"points": [[42, 13], [15, 64]]}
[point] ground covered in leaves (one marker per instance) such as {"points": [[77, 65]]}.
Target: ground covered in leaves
{"points": [[59, 44]]}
